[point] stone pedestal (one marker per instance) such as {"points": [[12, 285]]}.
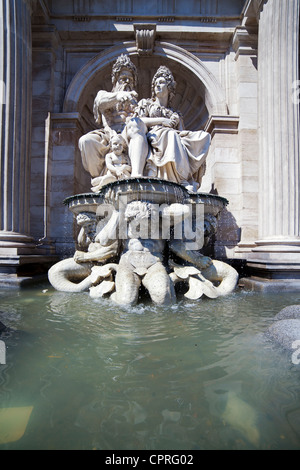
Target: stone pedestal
{"points": [[277, 252]]}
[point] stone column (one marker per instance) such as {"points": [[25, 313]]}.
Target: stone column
{"points": [[278, 249], [279, 121], [15, 125]]}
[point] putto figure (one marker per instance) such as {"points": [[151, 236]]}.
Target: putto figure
{"points": [[117, 163]]}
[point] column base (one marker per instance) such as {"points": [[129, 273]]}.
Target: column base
{"points": [[273, 265], [13, 243], [22, 261], [256, 284], [21, 270], [15, 281], [275, 259]]}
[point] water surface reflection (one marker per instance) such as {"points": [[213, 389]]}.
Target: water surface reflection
{"points": [[198, 375]]}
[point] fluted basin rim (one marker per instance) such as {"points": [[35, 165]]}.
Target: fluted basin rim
{"points": [[100, 197]]}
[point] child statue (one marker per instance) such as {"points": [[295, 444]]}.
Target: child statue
{"points": [[117, 163]]}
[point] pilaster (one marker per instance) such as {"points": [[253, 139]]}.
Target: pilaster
{"points": [[244, 44], [64, 176], [223, 169]]}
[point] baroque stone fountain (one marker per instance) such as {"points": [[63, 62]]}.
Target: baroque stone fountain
{"points": [[144, 223]]}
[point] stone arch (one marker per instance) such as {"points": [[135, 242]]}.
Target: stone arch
{"points": [[199, 94]]}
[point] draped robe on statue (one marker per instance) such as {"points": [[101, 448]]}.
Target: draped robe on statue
{"points": [[175, 154]]}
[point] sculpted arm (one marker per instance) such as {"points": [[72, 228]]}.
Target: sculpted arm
{"points": [[106, 100], [170, 119], [82, 238], [106, 243], [109, 164], [108, 234], [156, 121], [99, 253]]}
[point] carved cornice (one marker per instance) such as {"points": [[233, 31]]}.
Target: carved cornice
{"points": [[144, 37], [222, 125], [66, 121], [45, 37], [252, 11], [244, 41]]}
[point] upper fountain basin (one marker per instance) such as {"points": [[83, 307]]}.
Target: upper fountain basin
{"points": [[153, 190]]}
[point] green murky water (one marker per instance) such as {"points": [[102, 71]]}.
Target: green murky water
{"points": [[198, 375]]}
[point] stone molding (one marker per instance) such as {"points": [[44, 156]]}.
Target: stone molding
{"points": [[45, 37], [222, 125], [251, 11], [245, 41], [214, 94], [67, 120]]}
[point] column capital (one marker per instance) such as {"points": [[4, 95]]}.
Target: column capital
{"points": [[251, 11]]}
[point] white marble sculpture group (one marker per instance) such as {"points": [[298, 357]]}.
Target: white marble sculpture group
{"points": [[154, 141], [141, 140]]}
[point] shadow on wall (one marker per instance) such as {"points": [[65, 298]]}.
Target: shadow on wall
{"points": [[228, 234]]}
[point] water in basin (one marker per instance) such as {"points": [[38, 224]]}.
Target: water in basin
{"points": [[199, 375]]}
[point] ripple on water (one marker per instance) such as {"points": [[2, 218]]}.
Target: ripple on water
{"points": [[193, 375]]}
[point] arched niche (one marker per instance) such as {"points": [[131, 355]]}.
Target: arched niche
{"points": [[198, 94]]}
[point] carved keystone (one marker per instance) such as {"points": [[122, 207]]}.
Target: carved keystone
{"points": [[145, 37]]}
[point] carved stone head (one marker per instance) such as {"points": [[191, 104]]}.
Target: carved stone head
{"points": [[165, 72], [123, 62]]}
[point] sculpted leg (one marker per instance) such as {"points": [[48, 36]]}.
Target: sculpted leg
{"points": [[194, 257], [159, 285], [138, 146], [93, 148], [127, 285]]}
